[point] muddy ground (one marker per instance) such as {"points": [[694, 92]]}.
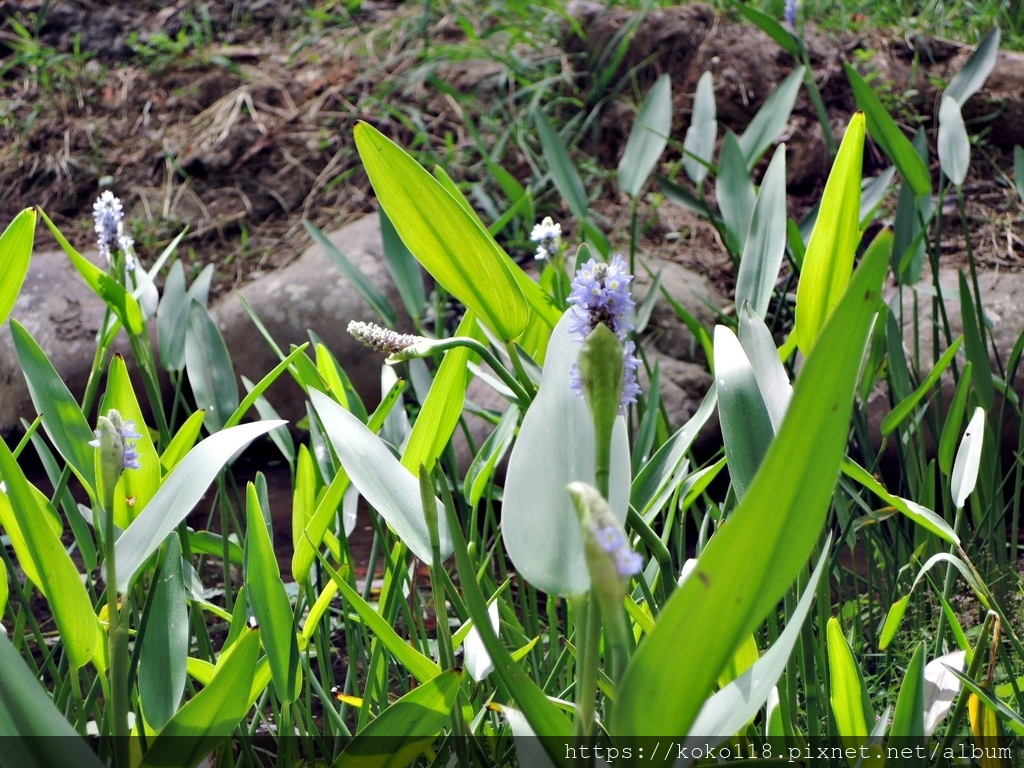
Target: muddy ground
{"points": [[234, 118]]}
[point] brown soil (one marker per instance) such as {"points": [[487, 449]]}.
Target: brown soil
{"points": [[234, 118]]}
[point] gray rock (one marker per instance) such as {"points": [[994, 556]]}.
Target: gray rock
{"points": [[311, 293]]}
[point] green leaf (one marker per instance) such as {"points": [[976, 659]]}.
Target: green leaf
{"points": [[180, 492], [699, 144], [162, 658], [771, 118], [968, 459], [974, 346], [769, 536], [846, 686], [481, 470], [829, 258], [746, 428], [892, 622], [976, 69], [905, 407], [447, 241], [735, 191], [890, 136], [120, 302], [771, 27], [33, 730], [731, 708], [182, 441], [209, 369], [560, 166], [556, 447], [63, 419], [648, 138], [403, 268], [388, 486], [766, 243], [954, 418], [269, 601], [954, 144], [41, 553], [908, 717], [1018, 170], [15, 254], [371, 294], [172, 319], [403, 731], [908, 233], [213, 713]]}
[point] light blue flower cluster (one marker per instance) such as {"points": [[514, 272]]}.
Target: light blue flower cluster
{"points": [[127, 434], [610, 539], [108, 223], [600, 296], [548, 237], [792, 8]]}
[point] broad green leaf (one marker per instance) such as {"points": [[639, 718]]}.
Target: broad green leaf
{"points": [[954, 418], [15, 254], [769, 536], [908, 717], [63, 419], [162, 659], [371, 293], [403, 268], [771, 27], [40, 549], [766, 242], [481, 470], [209, 369], [648, 138], [388, 486], [892, 622], [772, 379], [954, 144], [33, 730], [403, 731], [974, 347], [731, 708], [905, 407], [771, 118], [269, 601], [976, 69], [136, 486], [889, 135], [180, 492], [968, 459], [121, 303], [421, 667], [560, 166], [699, 144], [172, 319], [212, 714], [746, 428], [829, 258], [555, 447], [735, 191], [846, 686], [446, 240]]}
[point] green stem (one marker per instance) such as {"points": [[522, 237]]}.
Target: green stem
{"points": [[523, 385], [588, 630], [117, 637]]}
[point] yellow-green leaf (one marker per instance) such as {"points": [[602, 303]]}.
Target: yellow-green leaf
{"points": [[15, 253]]}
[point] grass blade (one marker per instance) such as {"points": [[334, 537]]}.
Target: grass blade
{"points": [[648, 138]]}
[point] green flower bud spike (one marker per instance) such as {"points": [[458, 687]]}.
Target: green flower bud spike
{"points": [[600, 374]]}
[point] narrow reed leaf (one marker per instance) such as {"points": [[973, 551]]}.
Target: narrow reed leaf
{"points": [[389, 487], [974, 347], [269, 601], [770, 27], [180, 492], [481, 470], [771, 118], [648, 138], [890, 136], [768, 538], [976, 69], [699, 144], [403, 268], [954, 144], [847, 691], [905, 407], [209, 369], [735, 191], [15, 254], [63, 420], [446, 240], [908, 233], [833, 244], [1018, 170], [893, 619], [954, 418], [766, 242], [172, 319], [560, 166], [908, 717]]}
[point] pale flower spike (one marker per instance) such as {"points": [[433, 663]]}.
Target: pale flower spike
{"points": [[108, 223], [548, 237], [381, 339]]}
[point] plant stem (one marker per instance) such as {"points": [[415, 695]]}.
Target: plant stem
{"points": [[117, 636]]}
